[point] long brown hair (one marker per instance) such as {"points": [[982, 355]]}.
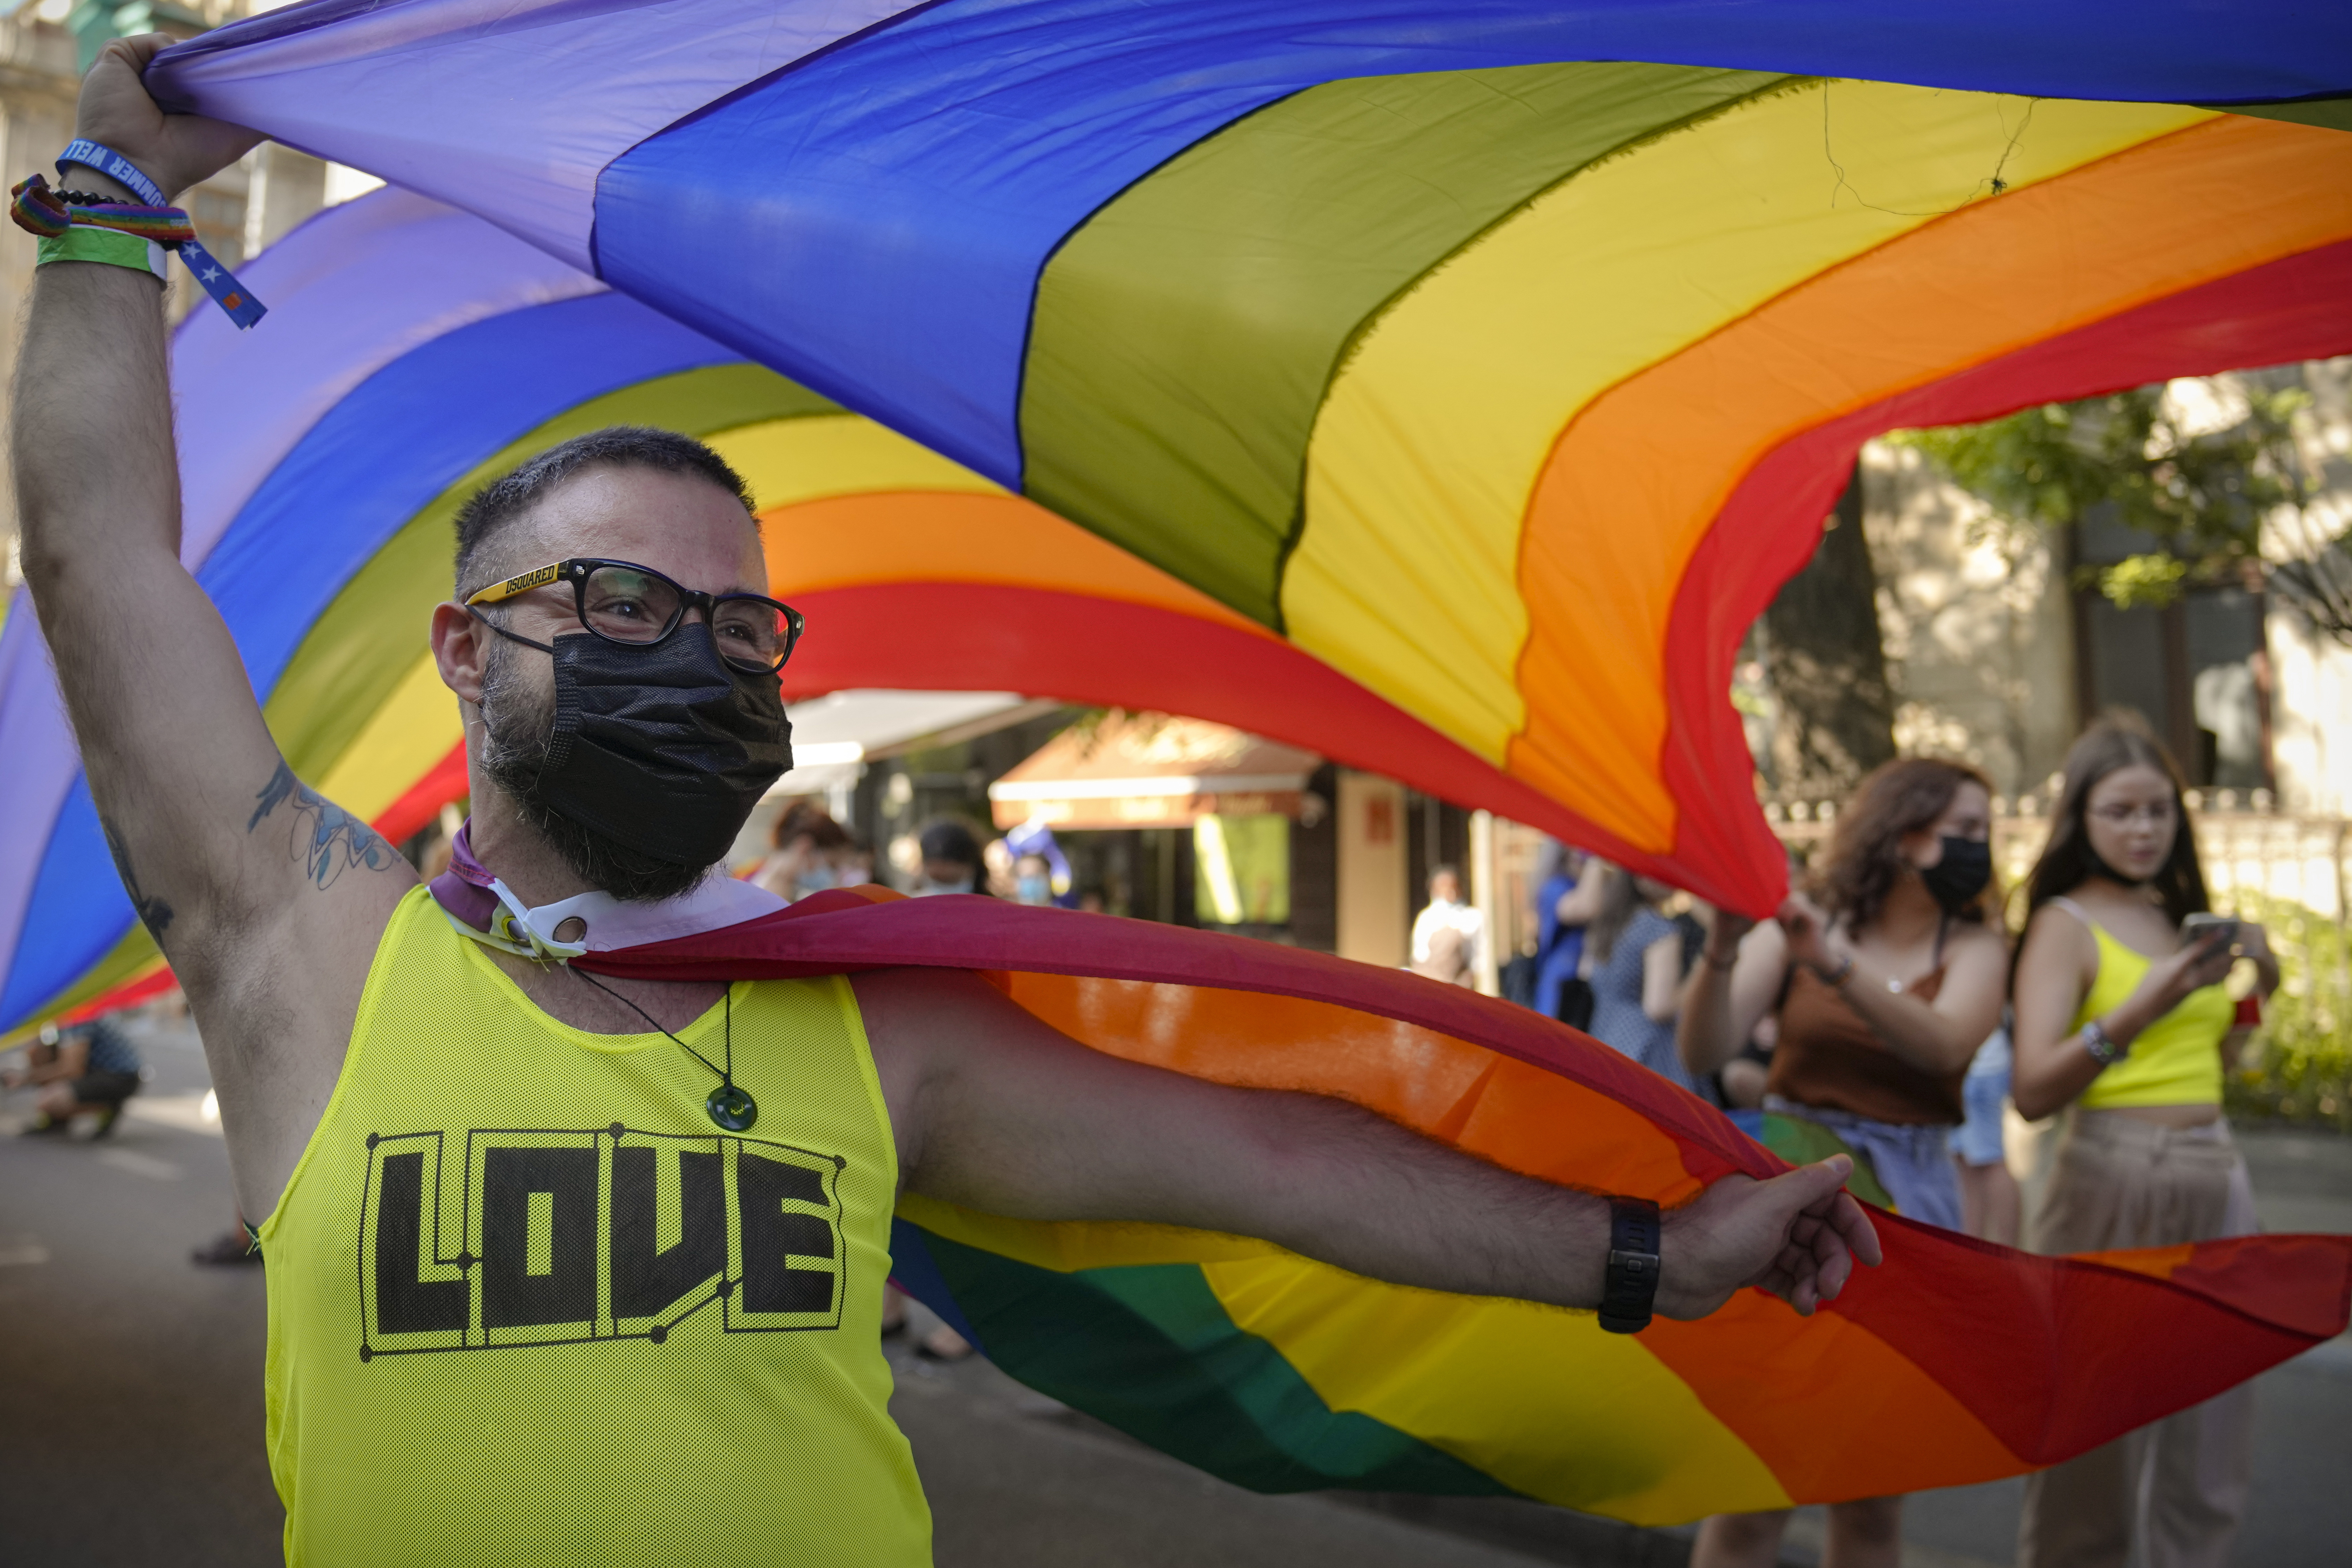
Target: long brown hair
{"points": [[2118, 741], [1863, 858]]}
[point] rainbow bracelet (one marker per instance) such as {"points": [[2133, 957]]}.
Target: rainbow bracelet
{"points": [[80, 232]]}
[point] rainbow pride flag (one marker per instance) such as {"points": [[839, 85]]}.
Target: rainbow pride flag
{"points": [[1954, 1361]]}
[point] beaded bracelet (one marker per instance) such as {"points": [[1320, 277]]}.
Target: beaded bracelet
{"points": [[71, 226]]}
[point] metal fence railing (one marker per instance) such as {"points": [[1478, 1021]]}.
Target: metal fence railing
{"points": [[2251, 850]]}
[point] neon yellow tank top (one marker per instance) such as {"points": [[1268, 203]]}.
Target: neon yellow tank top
{"points": [[2176, 1061], [528, 1306]]}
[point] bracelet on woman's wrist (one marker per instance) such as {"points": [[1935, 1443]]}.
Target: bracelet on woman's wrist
{"points": [[2102, 1045], [1836, 979]]}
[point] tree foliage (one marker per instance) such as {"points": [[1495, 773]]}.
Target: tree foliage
{"points": [[2210, 504]]}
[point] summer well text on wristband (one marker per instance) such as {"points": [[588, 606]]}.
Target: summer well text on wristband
{"points": [[114, 166]]}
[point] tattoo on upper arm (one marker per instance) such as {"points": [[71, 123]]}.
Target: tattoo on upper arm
{"points": [[154, 912], [326, 839]]}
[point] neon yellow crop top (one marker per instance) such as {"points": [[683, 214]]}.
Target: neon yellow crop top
{"points": [[2176, 1061]]}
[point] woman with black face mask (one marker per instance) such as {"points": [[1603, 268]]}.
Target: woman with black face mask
{"points": [[1886, 979], [2122, 1023]]}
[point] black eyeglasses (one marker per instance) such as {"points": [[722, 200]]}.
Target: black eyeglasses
{"points": [[638, 607]]}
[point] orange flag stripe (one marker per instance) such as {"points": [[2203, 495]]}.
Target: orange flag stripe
{"points": [[945, 536], [1636, 480]]}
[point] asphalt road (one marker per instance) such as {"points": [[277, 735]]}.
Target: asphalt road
{"points": [[130, 1413]]}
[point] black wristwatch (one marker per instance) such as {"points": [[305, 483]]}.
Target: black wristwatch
{"points": [[1631, 1284]]}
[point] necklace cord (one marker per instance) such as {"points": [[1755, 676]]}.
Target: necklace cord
{"points": [[726, 1073]]}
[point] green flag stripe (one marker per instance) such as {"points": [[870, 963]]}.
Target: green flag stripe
{"points": [[1151, 1349], [1185, 334]]}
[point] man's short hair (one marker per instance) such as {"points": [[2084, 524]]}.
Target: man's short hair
{"points": [[497, 505]]}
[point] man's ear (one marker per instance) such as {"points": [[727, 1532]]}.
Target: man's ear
{"points": [[460, 650]]}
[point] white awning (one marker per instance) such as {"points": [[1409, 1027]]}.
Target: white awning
{"points": [[835, 735]]}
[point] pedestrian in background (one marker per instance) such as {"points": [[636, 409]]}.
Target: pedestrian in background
{"points": [[1446, 911], [807, 844], [2122, 1023], [1991, 1206], [84, 1070], [1885, 981], [1448, 961], [950, 862], [1565, 903], [1634, 962]]}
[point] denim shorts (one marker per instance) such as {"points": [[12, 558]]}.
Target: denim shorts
{"points": [[1912, 1160], [1978, 1139]]}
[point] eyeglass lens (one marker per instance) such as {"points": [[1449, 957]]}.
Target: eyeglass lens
{"points": [[633, 606]]}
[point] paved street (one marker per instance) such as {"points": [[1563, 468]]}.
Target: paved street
{"points": [[130, 1415]]}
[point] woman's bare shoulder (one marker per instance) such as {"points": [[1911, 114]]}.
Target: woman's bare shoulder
{"points": [[2062, 928]]}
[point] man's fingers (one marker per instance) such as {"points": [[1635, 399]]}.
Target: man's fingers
{"points": [[138, 51], [1853, 1226], [1831, 1272], [1807, 1187]]}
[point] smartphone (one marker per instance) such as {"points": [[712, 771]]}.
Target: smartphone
{"points": [[2199, 929]]}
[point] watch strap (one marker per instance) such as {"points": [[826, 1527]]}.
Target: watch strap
{"points": [[1629, 1289]]}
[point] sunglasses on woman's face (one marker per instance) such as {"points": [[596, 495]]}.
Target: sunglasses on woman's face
{"points": [[637, 607]]}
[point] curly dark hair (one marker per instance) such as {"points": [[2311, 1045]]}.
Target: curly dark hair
{"points": [[492, 509], [2118, 741], [1859, 866]]}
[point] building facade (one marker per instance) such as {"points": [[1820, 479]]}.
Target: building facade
{"points": [[44, 48], [1998, 652]]}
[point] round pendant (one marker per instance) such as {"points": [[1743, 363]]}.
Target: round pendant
{"points": [[731, 1107]]}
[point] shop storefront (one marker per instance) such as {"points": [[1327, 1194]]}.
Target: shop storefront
{"points": [[1200, 817]]}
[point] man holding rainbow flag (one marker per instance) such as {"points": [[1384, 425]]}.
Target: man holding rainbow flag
{"points": [[566, 1267], [619, 1262]]}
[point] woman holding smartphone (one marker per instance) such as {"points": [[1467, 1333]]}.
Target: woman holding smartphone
{"points": [[2121, 1021]]}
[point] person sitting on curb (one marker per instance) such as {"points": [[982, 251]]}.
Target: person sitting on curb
{"points": [[85, 1069]]}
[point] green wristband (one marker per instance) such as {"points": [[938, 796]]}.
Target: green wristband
{"points": [[108, 246]]}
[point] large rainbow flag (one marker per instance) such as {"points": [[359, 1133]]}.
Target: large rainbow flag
{"points": [[1497, 358], [1442, 387], [1955, 1361], [1445, 387]]}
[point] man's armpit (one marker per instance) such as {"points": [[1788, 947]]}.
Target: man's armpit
{"points": [[323, 839]]}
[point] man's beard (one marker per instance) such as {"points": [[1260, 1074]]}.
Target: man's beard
{"points": [[518, 731]]}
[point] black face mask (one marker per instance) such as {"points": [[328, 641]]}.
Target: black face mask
{"points": [[662, 750], [1955, 881]]}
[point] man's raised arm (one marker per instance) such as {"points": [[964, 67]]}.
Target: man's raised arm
{"points": [[214, 838]]}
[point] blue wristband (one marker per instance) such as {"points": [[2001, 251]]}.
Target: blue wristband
{"points": [[114, 166], [216, 279], [220, 283]]}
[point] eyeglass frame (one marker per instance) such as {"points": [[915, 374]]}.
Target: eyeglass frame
{"points": [[576, 570]]}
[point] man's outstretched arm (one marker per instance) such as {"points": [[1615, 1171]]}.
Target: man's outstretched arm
{"points": [[264, 897], [997, 1110]]}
